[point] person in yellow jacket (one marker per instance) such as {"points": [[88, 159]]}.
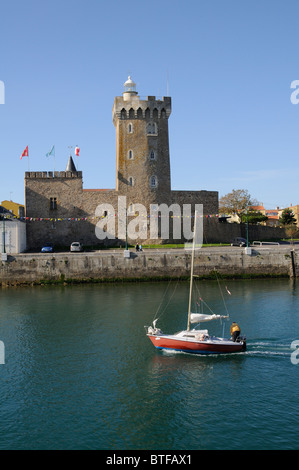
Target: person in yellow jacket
{"points": [[235, 331]]}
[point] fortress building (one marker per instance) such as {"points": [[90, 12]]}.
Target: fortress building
{"points": [[69, 212]]}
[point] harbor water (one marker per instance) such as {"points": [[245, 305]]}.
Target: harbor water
{"points": [[80, 372]]}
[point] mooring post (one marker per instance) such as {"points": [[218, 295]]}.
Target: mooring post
{"points": [[293, 264]]}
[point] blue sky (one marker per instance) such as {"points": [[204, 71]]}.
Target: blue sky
{"points": [[228, 66]]}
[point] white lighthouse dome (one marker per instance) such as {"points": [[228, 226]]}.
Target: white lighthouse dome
{"points": [[130, 86]]}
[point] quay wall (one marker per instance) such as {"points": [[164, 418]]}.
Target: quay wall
{"points": [[151, 264]]}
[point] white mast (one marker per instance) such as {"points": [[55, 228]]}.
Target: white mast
{"points": [[192, 265]]}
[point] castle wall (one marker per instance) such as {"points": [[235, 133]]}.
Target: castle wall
{"points": [[52, 196], [70, 213], [77, 204], [209, 200]]}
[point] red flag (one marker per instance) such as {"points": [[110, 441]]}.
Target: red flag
{"points": [[25, 153], [77, 150]]}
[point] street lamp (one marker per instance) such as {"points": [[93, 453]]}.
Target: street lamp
{"points": [[247, 249], [247, 226]]}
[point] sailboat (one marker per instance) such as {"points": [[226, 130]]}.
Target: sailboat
{"points": [[195, 341]]}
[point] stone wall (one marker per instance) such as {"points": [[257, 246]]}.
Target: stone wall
{"points": [[63, 267], [209, 200], [216, 232]]}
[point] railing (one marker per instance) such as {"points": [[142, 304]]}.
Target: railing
{"points": [[264, 243]]}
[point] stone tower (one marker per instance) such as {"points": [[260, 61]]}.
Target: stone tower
{"points": [[142, 147]]}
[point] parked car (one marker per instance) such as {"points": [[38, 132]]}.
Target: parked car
{"points": [[239, 241], [47, 248], [76, 246]]}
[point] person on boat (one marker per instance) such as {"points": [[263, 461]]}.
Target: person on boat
{"points": [[235, 331], [137, 247]]}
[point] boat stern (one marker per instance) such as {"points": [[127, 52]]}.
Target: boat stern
{"points": [[242, 341]]}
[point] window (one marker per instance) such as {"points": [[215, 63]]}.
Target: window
{"points": [[152, 155], [130, 155], [153, 181], [131, 181], [53, 203], [152, 128], [130, 128]]}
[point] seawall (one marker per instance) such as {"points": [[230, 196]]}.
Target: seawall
{"points": [[38, 268]]}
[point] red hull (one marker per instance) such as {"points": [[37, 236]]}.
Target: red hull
{"points": [[196, 347]]}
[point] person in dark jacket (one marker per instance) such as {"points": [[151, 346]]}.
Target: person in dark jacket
{"points": [[235, 331]]}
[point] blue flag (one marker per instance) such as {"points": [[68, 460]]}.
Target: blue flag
{"points": [[51, 153]]}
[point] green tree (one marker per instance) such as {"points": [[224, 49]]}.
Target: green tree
{"points": [[287, 218], [254, 217]]}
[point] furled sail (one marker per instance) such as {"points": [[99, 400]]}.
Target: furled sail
{"points": [[199, 317]]}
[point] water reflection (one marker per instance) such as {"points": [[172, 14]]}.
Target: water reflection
{"points": [[80, 371]]}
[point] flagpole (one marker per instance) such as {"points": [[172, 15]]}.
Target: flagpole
{"points": [[54, 158]]}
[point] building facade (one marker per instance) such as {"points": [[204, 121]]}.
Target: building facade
{"points": [[60, 210], [12, 234]]}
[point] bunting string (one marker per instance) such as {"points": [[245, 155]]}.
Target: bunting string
{"points": [[96, 218]]}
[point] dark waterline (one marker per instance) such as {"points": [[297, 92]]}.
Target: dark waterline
{"points": [[80, 373]]}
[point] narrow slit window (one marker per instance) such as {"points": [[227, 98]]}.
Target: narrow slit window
{"points": [[53, 203]]}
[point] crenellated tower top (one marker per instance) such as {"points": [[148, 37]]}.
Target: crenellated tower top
{"points": [[131, 106]]}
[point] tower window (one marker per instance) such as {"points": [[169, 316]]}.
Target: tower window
{"points": [[131, 181], [152, 128], [130, 154], [153, 181], [152, 155], [53, 203], [130, 128]]}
